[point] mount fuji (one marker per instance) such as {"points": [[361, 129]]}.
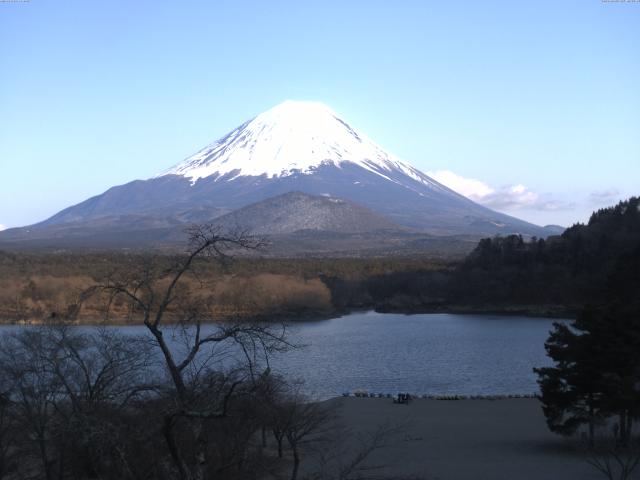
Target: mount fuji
{"points": [[293, 147]]}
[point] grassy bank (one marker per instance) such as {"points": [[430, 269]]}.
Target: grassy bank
{"points": [[40, 287]]}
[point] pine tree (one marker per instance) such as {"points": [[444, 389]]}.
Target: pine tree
{"points": [[596, 373], [570, 391]]}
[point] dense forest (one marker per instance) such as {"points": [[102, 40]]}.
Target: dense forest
{"points": [[587, 264]]}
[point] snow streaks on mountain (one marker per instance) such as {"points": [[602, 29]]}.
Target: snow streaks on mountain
{"points": [[292, 137]]}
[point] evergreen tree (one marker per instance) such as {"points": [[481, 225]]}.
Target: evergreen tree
{"points": [[596, 373], [570, 391]]}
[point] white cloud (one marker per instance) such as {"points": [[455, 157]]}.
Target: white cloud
{"points": [[508, 197], [469, 187], [2, 227]]}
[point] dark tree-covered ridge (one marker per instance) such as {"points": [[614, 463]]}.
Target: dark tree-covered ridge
{"points": [[586, 264]]}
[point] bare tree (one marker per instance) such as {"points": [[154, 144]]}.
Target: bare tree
{"points": [[8, 433], [155, 290], [102, 375], [191, 398], [32, 395], [614, 460], [302, 423], [66, 389], [353, 460]]}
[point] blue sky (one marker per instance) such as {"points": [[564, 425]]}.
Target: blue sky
{"points": [[532, 108]]}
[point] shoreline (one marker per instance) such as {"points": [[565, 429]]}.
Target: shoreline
{"points": [[535, 311], [541, 311], [440, 397]]}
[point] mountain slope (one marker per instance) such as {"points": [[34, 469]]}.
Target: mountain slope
{"points": [[296, 211], [295, 146]]}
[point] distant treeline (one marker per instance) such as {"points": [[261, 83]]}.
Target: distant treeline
{"points": [[553, 276], [40, 286]]}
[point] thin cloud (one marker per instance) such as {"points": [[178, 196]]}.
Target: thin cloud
{"points": [[509, 197], [601, 197]]}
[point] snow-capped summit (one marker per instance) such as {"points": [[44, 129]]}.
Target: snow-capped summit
{"points": [[292, 137], [302, 147]]}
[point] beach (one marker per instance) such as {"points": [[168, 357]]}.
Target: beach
{"points": [[466, 440]]}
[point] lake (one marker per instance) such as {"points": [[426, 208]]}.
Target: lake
{"points": [[471, 354], [423, 354]]}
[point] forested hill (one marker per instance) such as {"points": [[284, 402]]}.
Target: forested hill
{"points": [[587, 264]]}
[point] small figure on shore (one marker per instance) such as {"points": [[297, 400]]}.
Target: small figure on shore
{"points": [[403, 398]]}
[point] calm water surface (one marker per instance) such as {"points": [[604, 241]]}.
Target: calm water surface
{"points": [[429, 353], [425, 353]]}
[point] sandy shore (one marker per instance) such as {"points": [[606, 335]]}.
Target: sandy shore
{"points": [[467, 439]]}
